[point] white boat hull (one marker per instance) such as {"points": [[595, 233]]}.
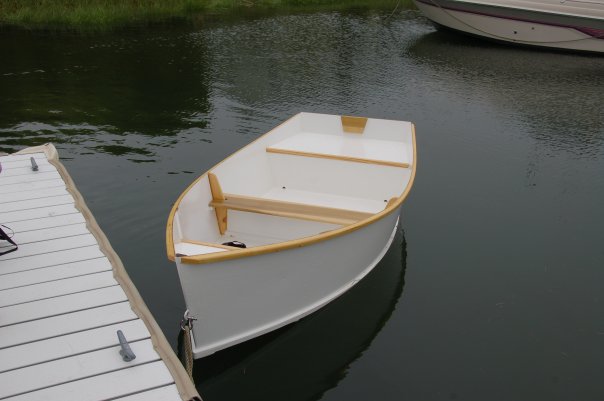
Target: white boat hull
{"points": [[288, 223], [253, 296], [525, 23]]}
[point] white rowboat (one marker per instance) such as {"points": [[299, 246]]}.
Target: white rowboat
{"points": [[316, 201]]}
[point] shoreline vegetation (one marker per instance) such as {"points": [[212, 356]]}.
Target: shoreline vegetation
{"points": [[111, 14]]}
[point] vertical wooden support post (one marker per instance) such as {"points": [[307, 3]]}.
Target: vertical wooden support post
{"points": [[354, 124], [218, 196], [391, 202]]}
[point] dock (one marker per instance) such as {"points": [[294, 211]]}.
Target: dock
{"points": [[64, 294]]}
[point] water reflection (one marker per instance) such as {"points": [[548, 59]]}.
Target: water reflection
{"points": [[72, 89], [307, 358], [546, 91]]}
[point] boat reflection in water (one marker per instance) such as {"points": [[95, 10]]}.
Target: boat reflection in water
{"points": [[303, 360], [541, 91]]}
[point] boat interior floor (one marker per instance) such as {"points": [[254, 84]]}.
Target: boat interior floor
{"points": [[254, 229]]}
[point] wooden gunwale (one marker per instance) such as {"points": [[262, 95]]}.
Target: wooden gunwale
{"points": [[297, 243]]}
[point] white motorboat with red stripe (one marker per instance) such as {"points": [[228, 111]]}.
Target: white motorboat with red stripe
{"points": [[560, 24]]}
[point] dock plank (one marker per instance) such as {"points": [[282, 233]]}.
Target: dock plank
{"points": [[71, 344], [158, 394], [29, 204], [47, 234], [72, 368], [43, 275], [31, 186], [19, 164], [22, 157], [56, 288], [60, 305], [108, 386], [47, 222], [34, 177], [65, 324], [9, 217], [50, 246], [33, 194], [25, 169], [51, 259]]}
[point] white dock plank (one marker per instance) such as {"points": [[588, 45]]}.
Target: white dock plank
{"points": [[158, 394], [48, 234], [34, 177], [25, 169], [9, 217], [57, 288], [108, 386], [38, 203], [47, 222], [32, 194], [60, 325], [20, 158], [50, 246], [60, 305], [51, 259], [77, 367], [10, 162], [71, 344], [29, 277], [31, 186]]}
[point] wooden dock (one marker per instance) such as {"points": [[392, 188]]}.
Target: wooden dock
{"points": [[64, 294]]}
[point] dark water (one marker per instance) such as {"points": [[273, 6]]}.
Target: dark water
{"points": [[501, 250]]}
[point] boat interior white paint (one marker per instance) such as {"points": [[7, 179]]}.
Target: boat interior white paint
{"points": [[316, 201], [353, 180]]}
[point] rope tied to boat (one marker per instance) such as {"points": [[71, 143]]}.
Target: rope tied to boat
{"points": [[186, 347]]}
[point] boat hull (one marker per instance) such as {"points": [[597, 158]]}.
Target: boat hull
{"points": [[239, 299], [543, 24]]}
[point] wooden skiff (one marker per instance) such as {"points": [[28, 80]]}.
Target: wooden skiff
{"points": [[316, 202]]}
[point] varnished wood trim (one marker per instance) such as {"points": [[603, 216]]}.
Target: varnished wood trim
{"points": [[210, 244], [218, 196], [337, 157], [354, 125], [290, 209]]}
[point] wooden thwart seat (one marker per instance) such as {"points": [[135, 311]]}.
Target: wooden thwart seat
{"points": [[289, 209], [221, 202], [336, 157], [349, 147]]}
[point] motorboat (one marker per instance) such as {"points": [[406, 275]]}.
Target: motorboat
{"points": [[288, 223], [560, 24]]}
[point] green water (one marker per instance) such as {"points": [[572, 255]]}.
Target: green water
{"points": [[501, 244]]}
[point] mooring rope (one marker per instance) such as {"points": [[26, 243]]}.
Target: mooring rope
{"points": [[186, 351]]}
